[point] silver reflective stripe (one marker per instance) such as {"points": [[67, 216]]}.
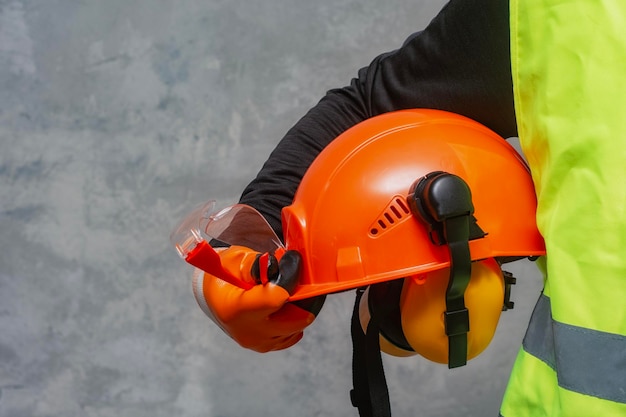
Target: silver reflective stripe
{"points": [[586, 361]]}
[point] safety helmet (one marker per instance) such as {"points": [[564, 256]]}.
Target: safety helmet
{"points": [[422, 205], [353, 218]]}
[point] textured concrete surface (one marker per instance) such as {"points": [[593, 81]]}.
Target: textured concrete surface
{"points": [[116, 117]]}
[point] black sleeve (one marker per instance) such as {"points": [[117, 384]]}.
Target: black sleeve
{"points": [[459, 63]]}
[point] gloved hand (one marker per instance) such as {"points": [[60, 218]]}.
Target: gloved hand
{"points": [[260, 318]]}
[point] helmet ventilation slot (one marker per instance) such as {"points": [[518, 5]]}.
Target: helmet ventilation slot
{"points": [[394, 213]]}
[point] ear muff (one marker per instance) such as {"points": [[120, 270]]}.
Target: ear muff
{"points": [[422, 307], [443, 201], [410, 311]]}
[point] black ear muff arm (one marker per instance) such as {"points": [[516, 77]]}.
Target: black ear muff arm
{"points": [[456, 316], [444, 202]]}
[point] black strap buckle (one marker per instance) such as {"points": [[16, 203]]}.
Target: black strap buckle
{"points": [[456, 322]]}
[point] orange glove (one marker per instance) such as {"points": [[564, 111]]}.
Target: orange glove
{"points": [[260, 318]]}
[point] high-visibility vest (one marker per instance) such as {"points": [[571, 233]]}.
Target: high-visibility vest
{"points": [[568, 62]]}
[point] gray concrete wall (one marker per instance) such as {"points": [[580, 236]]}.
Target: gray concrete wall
{"points": [[116, 117]]}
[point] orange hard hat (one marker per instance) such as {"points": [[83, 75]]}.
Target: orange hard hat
{"points": [[357, 220], [421, 206]]}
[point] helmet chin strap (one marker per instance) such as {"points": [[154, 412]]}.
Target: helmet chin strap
{"points": [[370, 394]]}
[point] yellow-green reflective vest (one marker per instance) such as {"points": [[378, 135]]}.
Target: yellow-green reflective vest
{"points": [[568, 62]]}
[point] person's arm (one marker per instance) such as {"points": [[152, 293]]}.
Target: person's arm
{"points": [[459, 63]]}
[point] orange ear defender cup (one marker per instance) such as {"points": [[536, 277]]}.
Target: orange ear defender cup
{"points": [[418, 327], [422, 306]]}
